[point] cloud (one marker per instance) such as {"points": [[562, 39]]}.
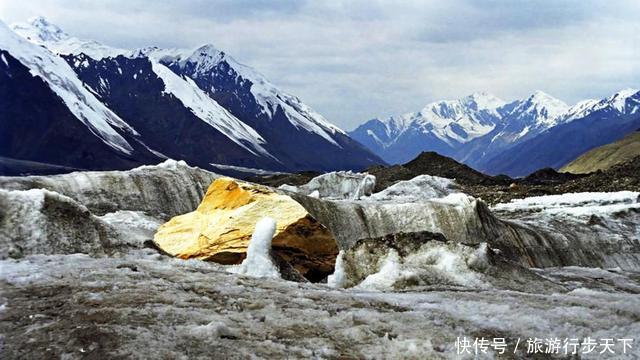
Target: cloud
{"points": [[354, 60]]}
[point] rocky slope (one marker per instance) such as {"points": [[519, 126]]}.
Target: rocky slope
{"points": [[606, 156]]}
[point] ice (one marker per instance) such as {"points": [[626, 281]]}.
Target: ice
{"points": [[162, 191], [410, 302], [389, 274], [338, 277], [25, 216], [134, 226], [337, 185], [421, 187], [174, 308], [432, 264], [575, 204], [258, 262]]}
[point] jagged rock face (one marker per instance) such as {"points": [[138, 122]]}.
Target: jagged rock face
{"points": [[220, 229], [163, 191]]}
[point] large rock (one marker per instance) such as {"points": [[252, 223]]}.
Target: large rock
{"points": [[220, 229]]}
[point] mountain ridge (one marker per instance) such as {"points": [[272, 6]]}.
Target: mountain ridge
{"points": [[512, 123], [253, 123]]}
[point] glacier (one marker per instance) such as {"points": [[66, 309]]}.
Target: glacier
{"points": [[415, 272]]}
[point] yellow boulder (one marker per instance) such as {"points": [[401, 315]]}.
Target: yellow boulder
{"points": [[220, 229]]}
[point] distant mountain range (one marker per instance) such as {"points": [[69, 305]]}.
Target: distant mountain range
{"points": [[498, 137], [69, 103]]}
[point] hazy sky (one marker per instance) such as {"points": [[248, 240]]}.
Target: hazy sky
{"points": [[355, 60]]}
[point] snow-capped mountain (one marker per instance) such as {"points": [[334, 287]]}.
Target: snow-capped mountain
{"points": [[40, 31], [207, 60], [519, 120], [620, 103], [273, 113], [441, 126], [200, 106], [587, 125], [31, 72], [481, 130]]}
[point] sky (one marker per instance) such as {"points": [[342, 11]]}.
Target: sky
{"points": [[356, 60]]}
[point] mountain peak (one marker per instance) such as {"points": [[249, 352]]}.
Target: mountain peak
{"points": [[540, 96], [208, 49], [41, 31], [483, 101], [540, 108], [38, 29], [625, 93], [206, 56]]}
